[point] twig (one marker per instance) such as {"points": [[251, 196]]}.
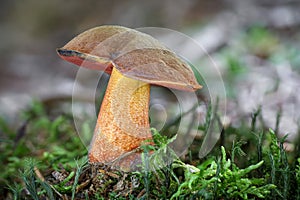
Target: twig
{"points": [[41, 178]]}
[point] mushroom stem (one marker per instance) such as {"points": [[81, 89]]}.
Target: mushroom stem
{"points": [[123, 120]]}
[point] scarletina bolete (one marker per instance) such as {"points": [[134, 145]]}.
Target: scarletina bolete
{"points": [[134, 60]]}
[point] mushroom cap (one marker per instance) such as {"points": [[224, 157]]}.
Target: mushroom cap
{"points": [[136, 55]]}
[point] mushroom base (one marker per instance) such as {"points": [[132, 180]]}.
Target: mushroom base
{"points": [[123, 121]]}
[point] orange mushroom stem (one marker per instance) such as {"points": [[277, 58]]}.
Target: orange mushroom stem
{"points": [[123, 122]]}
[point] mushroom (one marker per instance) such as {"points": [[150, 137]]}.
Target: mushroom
{"points": [[134, 60]]}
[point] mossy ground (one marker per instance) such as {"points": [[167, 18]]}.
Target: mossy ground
{"points": [[253, 166]]}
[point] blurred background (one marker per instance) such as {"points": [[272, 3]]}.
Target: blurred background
{"points": [[255, 43]]}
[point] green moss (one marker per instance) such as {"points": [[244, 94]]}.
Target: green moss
{"points": [[256, 167]]}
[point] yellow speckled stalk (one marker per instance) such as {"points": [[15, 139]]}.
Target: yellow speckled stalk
{"points": [[123, 121]]}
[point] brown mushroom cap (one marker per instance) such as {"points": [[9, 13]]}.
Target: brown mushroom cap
{"points": [[136, 55]]}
